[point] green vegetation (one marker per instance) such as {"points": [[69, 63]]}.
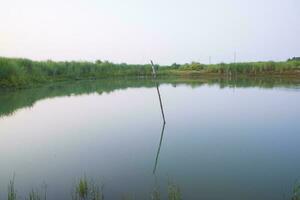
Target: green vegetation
{"points": [[11, 191], [251, 68], [156, 194], [174, 192], [296, 192], [24, 72], [86, 189], [33, 194], [294, 59], [19, 73], [36, 195]]}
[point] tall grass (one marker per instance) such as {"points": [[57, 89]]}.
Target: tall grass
{"points": [[17, 72], [296, 192], [252, 68], [174, 192], [11, 191], [87, 190], [36, 195], [156, 195]]}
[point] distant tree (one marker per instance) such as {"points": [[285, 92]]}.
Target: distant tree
{"points": [[175, 65], [294, 59], [98, 61], [196, 66]]}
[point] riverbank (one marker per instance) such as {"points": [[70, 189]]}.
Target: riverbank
{"points": [[22, 73]]}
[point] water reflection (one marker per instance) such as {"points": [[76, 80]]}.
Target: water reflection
{"points": [[13, 100], [159, 146]]}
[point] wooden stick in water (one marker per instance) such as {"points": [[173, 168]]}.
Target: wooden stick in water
{"points": [[158, 92]]}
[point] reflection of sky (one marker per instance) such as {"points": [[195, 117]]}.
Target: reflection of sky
{"points": [[216, 141], [58, 138], [135, 31]]}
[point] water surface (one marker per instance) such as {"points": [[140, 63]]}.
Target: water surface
{"points": [[222, 140]]}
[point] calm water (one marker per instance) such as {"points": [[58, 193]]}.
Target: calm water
{"points": [[222, 140]]}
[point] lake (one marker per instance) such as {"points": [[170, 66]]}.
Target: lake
{"points": [[223, 139]]}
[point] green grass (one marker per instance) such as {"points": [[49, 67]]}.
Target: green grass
{"points": [[174, 192], [296, 192], [36, 195], [11, 191], [19, 73], [87, 189]]}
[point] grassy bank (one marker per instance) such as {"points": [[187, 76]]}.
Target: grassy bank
{"points": [[18, 73]]}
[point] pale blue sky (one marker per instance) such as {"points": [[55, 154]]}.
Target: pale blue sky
{"points": [[135, 31]]}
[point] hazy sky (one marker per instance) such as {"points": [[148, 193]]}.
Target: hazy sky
{"points": [[135, 31]]}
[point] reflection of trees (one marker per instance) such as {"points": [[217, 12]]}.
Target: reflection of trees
{"points": [[10, 101]]}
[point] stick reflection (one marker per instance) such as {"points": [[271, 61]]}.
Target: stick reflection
{"points": [[159, 146]]}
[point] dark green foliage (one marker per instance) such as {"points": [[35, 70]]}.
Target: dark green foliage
{"points": [[175, 66]]}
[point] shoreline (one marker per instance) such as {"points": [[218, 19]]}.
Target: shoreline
{"points": [[18, 73]]}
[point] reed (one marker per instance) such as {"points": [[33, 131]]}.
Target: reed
{"points": [[251, 68], [174, 192], [11, 191], [87, 190], [35, 195], [296, 192], [18, 73]]}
